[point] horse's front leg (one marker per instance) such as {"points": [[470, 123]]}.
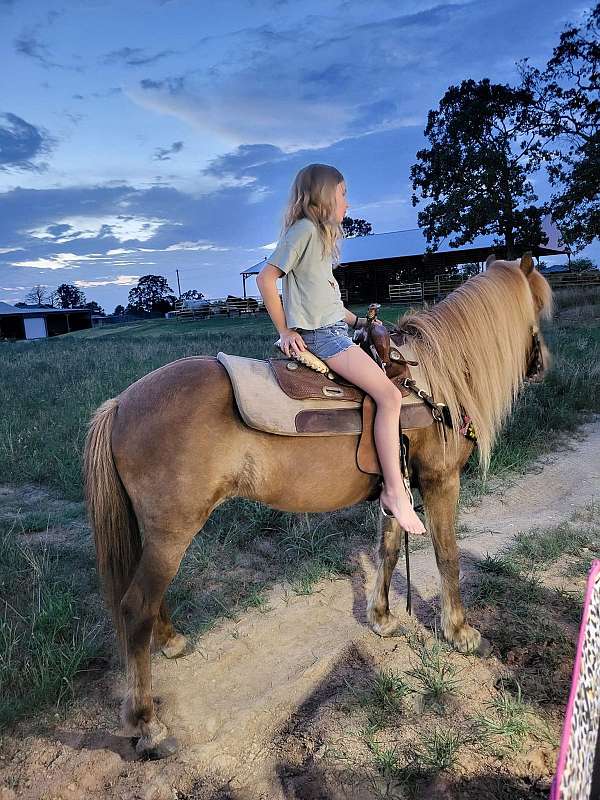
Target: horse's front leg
{"points": [[440, 498], [381, 620]]}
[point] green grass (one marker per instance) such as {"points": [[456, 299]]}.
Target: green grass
{"points": [[506, 724], [434, 676], [42, 426], [47, 634]]}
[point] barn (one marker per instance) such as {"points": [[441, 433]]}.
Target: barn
{"points": [[394, 266], [38, 322]]}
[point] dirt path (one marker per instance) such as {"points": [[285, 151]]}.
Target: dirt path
{"points": [[229, 700]]}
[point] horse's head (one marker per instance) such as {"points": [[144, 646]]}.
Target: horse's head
{"points": [[538, 357]]}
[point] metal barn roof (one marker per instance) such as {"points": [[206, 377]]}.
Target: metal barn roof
{"points": [[6, 308], [405, 244]]}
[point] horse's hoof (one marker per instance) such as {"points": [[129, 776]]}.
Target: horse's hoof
{"points": [[175, 647], [155, 742], [153, 752], [466, 640], [384, 625]]}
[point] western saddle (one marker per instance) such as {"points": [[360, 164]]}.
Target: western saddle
{"points": [[301, 396]]}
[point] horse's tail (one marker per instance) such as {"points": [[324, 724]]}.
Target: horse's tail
{"points": [[116, 531]]}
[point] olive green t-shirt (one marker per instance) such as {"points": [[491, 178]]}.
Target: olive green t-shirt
{"points": [[311, 295]]}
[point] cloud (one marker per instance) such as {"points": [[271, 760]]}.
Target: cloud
{"points": [[20, 143], [163, 153], [134, 56], [10, 249], [120, 280], [122, 227], [30, 45], [58, 261]]}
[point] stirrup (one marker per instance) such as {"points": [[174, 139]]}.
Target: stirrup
{"points": [[308, 359]]}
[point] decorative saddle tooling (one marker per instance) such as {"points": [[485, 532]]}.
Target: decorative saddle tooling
{"points": [[286, 397]]}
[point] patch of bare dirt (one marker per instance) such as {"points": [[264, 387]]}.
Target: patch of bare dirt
{"points": [[266, 707]]}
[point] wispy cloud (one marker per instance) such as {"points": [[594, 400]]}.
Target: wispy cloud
{"points": [[135, 56], [164, 153], [121, 227], [120, 280]]}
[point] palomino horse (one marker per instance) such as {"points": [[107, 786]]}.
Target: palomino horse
{"points": [[172, 447]]}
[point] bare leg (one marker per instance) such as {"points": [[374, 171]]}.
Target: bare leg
{"points": [[378, 608], [356, 366]]}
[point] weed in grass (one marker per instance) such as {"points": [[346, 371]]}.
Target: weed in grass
{"points": [[436, 677], [438, 751], [507, 724], [389, 690]]}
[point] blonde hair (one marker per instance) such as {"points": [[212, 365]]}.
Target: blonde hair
{"points": [[473, 346], [312, 195]]}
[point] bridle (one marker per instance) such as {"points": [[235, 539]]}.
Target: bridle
{"points": [[535, 360]]}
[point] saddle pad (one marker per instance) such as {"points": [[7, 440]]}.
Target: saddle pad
{"points": [[263, 405]]}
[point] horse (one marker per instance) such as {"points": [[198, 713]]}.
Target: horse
{"points": [[170, 448]]}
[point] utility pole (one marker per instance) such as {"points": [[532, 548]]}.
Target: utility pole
{"points": [[178, 284]]}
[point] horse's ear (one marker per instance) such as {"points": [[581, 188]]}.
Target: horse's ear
{"points": [[490, 260], [527, 263]]}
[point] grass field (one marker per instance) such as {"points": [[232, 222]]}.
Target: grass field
{"points": [[56, 626]]}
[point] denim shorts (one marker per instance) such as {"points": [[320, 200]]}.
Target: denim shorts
{"points": [[328, 340]]}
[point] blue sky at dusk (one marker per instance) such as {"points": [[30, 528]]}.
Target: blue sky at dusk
{"points": [[141, 137]]}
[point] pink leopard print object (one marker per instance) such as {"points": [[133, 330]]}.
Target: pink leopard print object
{"points": [[578, 767]]}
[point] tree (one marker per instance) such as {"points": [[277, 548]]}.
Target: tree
{"points": [[95, 308], [39, 295], [69, 296], [192, 294], [119, 310], [566, 99], [151, 294], [582, 264], [356, 227], [484, 145]]}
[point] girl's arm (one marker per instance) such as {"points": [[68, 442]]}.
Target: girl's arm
{"points": [[353, 320], [266, 280]]}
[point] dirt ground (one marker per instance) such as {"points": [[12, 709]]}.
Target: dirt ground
{"points": [[260, 707]]}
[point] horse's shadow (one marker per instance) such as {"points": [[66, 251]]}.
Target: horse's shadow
{"points": [[300, 772]]}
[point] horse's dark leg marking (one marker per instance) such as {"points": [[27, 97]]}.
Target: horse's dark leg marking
{"points": [[378, 608]]}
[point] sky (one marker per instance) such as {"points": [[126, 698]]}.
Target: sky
{"points": [[143, 137]]}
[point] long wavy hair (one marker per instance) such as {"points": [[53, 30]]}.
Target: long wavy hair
{"points": [[312, 195], [474, 344]]}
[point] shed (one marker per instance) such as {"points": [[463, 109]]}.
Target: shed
{"points": [[38, 322]]}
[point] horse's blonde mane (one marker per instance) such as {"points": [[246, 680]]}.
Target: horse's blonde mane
{"points": [[473, 345]]}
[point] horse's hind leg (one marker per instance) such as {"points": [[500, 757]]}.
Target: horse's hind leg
{"points": [[381, 620], [164, 635], [140, 607], [440, 497]]}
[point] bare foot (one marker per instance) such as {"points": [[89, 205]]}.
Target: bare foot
{"points": [[398, 504]]}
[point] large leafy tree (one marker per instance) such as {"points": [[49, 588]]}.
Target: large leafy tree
{"points": [[152, 293], [356, 227], [484, 145], [566, 98], [69, 296]]}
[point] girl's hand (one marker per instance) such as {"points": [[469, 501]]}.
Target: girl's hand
{"points": [[291, 342]]}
